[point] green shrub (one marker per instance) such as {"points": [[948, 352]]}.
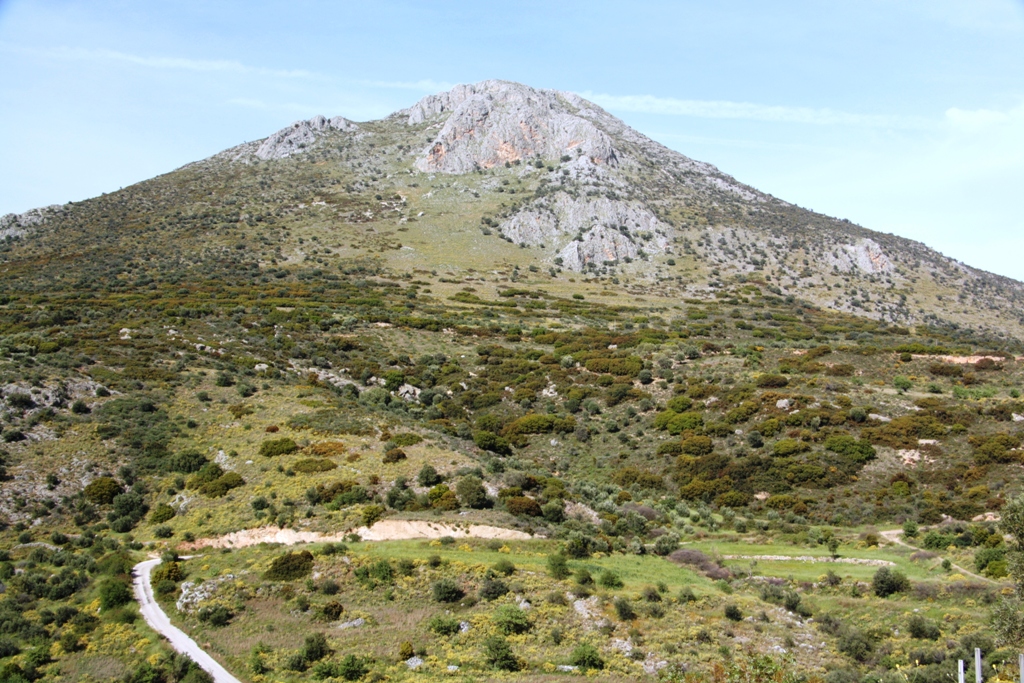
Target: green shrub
{"points": [[558, 567], [218, 615], [290, 566], [504, 567], [609, 579], [498, 654], [772, 381], [315, 648], [472, 494], [489, 441], [393, 455], [624, 609], [312, 465], [101, 491], [371, 514], [786, 447], [986, 556], [888, 581], [511, 620], [919, 627], [376, 573], [407, 439], [443, 625], [446, 590], [586, 657], [553, 511], [428, 476], [221, 485], [523, 505], [352, 668], [854, 449], [275, 447], [855, 644], [697, 445], [733, 613], [114, 593], [161, 513], [187, 461]]}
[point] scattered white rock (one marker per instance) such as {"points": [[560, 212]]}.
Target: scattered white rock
{"points": [[783, 404], [355, 623], [880, 418], [652, 664], [414, 662]]}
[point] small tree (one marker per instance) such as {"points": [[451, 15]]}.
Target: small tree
{"points": [[472, 493], [558, 567], [511, 620], [114, 593], [446, 590], [428, 476], [889, 581], [902, 383], [586, 657], [352, 668], [498, 653]]}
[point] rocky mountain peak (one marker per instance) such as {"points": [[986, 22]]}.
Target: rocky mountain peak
{"points": [[494, 122]]}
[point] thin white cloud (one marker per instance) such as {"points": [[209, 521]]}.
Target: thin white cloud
{"points": [[983, 118], [423, 85], [723, 109], [170, 63]]}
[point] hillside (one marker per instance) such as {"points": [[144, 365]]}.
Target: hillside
{"points": [[500, 306]]}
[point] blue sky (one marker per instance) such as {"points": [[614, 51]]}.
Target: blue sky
{"points": [[903, 116]]}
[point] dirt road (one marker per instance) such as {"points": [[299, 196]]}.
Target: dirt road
{"points": [[159, 622], [895, 536]]}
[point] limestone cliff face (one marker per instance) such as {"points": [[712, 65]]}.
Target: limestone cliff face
{"points": [[300, 135], [494, 122], [588, 230]]}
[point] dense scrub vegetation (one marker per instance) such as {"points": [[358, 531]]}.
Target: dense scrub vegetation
{"points": [[174, 367]]}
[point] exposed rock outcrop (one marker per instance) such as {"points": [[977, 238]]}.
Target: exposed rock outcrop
{"points": [[298, 136], [17, 224], [865, 254], [599, 245], [587, 229], [494, 122]]}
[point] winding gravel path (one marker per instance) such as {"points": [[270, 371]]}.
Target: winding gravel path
{"points": [[159, 622], [895, 536]]}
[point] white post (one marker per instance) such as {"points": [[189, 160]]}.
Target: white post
{"points": [[960, 667], [1021, 662], [977, 664]]}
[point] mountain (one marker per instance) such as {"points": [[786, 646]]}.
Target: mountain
{"points": [[553, 173], [527, 390]]}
